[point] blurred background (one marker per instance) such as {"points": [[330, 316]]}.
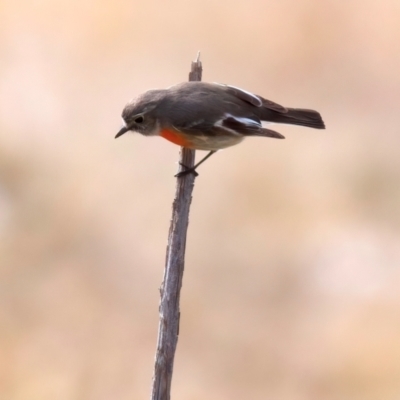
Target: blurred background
{"points": [[291, 286]]}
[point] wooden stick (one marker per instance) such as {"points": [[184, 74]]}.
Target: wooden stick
{"points": [[168, 328]]}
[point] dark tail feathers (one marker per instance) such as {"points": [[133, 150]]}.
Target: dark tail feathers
{"points": [[298, 116]]}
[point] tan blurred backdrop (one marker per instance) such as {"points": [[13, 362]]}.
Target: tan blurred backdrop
{"points": [[291, 286]]}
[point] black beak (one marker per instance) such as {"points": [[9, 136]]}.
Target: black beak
{"points": [[123, 130]]}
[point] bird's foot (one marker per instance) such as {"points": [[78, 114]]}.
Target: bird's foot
{"points": [[186, 171]]}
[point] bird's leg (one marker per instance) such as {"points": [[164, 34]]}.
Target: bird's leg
{"points": [[192, 170]]}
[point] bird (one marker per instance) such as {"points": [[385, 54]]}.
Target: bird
{"points": [[209, 116]]}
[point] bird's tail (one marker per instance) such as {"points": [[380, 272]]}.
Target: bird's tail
{"points": [[298, 116]]}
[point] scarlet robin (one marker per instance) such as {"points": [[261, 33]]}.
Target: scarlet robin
{"points": [[209, 116]]}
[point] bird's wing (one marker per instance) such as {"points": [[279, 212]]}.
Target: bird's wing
{"points": [[231, 124], [248, 127], [253, 99]]}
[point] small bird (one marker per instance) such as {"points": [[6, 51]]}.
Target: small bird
{"points": [[209, 116]]}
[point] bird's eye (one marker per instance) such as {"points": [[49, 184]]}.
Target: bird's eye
{"points": [[139, 119]]}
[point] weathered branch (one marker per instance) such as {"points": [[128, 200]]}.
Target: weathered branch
{"points": [[168, 329]]}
